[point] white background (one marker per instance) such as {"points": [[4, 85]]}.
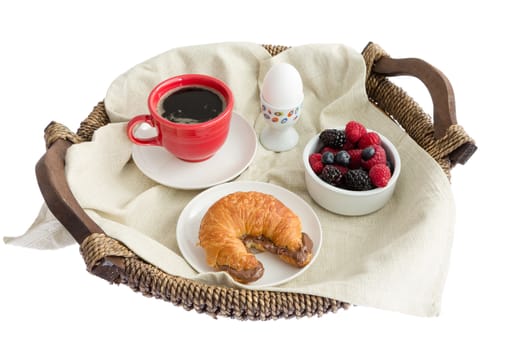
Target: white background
{"points": [[57, 60]]}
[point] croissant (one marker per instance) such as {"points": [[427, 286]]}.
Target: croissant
{"points": [[245, 220]]}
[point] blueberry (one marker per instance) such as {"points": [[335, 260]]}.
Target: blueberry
{"points": [[327, 158], [390, 166], [368, 153], [343, 158]]}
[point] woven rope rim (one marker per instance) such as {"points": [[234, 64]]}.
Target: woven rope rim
{"points": [[246, 304], [216, 301]]}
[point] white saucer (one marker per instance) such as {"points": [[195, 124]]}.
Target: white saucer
{"points": [[276, 271], [231, 160]]}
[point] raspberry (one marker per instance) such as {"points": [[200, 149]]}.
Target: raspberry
{"points": [[331, 175], [379, 175], [373, 155], [341, 168], [333, 138], [355, 158], [368, 139], [316, 163], [348, 145], [317, 167], [329, 149], [357, 180], [314, 157], [354, 130]]}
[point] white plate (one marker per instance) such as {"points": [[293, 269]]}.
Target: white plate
{"points": [[275, 270], [231, 160]]}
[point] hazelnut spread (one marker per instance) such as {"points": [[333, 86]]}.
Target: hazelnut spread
{"points": [[264, 244]]}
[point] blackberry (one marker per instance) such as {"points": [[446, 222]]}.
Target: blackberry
{"points": [[357, 180], [331, 175], [333, 138]]}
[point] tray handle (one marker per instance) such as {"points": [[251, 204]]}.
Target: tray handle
{"points": [[441, 93], [436, 82], [51, 178]]}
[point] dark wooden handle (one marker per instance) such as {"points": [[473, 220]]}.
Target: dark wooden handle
{"points": [[51, 177], [436, 82], [440, 91]]}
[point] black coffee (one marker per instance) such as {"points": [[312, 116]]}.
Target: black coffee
{"points": [[191, 105]]}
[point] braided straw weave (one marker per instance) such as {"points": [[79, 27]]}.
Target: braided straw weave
{"points": [[243, 303]]}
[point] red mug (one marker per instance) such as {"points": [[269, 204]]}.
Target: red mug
{"points": [[189, 142]]}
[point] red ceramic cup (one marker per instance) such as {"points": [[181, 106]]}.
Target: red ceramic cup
{"points": [[189, 142]]}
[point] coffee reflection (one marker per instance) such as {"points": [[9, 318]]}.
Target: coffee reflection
{"points": [[191, 105]]}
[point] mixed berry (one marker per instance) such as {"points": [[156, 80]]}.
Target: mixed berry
{"points": [[353, 158]]}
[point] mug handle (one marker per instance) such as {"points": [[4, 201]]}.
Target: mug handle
{"points": [[136, 121]]}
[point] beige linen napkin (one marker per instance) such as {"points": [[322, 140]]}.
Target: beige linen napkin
{"points": [[395, 259], [46, 232]]}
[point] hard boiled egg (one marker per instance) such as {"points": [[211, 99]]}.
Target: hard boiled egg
{"points": [[282, 86]]}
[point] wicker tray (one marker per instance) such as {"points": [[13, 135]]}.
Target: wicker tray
{"points": [[109, 259]]}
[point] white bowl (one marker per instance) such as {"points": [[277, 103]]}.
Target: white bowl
{"points": [[346, 202]]}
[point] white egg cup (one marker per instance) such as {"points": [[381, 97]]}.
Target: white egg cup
{"points": [[279, 135]]}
